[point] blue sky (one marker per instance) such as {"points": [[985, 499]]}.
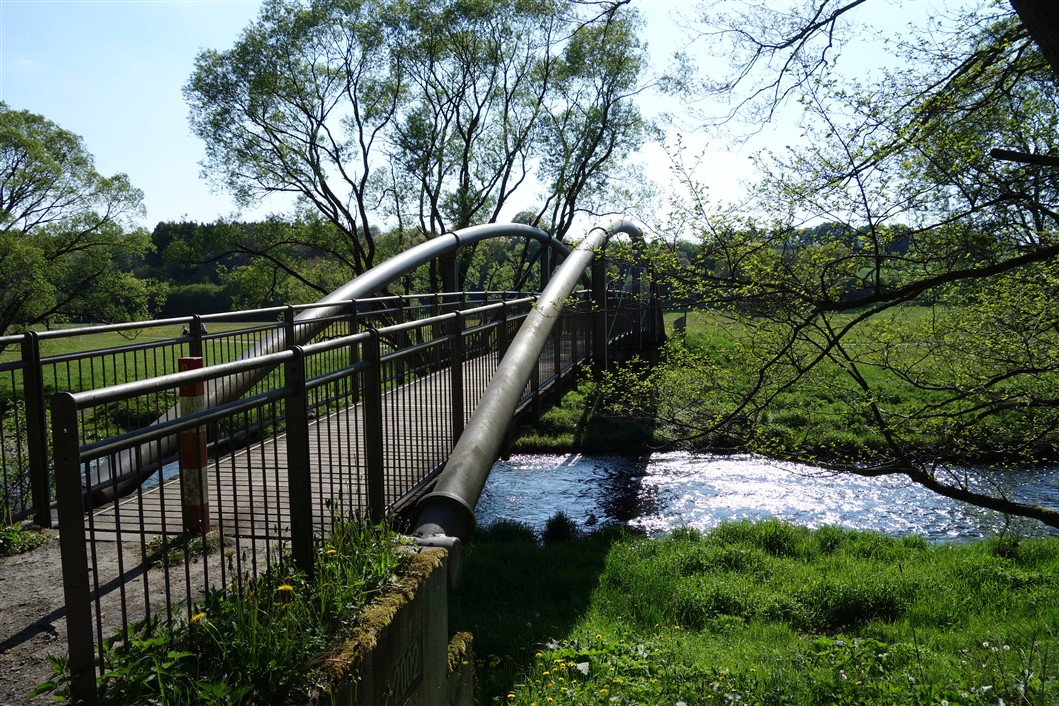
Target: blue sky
{"points": [[112, 71]]}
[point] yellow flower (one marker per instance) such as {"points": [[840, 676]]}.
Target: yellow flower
{"points": [[285, 587], [510, 696], [332, 551], [197, 617]]}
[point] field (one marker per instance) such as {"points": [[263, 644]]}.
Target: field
{"points": [[762, 613], [892, 386]]}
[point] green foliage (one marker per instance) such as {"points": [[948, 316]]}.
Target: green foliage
{"points": [[586, 421], [67, 233], [916, 325], [767, 613], [429, 115], [260, 640], [14, 539]]}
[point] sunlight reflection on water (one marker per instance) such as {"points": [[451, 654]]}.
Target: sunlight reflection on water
{"points": [[658, 492]]}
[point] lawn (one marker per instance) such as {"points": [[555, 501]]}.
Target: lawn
{"points": [[763, 613]]}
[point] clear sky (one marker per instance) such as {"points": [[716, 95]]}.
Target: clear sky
{"points": [[112, 71]]}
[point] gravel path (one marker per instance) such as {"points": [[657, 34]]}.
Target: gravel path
{"points": [[32, 621]]}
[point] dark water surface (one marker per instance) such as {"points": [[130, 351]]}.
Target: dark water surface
{"points": [[660, 491]]}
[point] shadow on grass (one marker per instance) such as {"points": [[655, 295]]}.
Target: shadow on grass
{"points": [[518, 592]]}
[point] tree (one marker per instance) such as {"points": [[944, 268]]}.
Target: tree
{"points": [[928, 218], [67, 235], [416, 115]]}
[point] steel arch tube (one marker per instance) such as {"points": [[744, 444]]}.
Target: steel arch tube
{"points": [[131, 469], [448, 510]]}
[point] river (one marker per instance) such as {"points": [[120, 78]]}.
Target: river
{"points": [[657, 492]]}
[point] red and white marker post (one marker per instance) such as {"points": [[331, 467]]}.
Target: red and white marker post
{"points": [[193, 460]]}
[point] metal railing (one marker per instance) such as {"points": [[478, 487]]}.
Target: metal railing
{"points": [[353, 424], [91, 361]]}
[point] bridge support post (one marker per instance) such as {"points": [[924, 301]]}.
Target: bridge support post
{"points": [[599, 316], [288, 327], [194, 464], [450, 273], [298, 480], [373, 427], [195, 344], [36, 430]]}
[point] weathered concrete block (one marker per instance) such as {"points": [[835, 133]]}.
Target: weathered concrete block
{"points": [[401, 655]]}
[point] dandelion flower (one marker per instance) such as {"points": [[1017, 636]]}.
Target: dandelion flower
{"points": [[197, 617], [285, 587]]}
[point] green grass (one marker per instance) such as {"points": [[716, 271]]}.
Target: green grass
{"points": [[581, 423], [763, 613], [16, 540], [264, 642], [694, 398]]}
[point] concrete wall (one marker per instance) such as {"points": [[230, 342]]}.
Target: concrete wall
{"points": [[402, 654]]}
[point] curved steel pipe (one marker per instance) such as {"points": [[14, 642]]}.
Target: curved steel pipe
{"points": [[132, 467], [447, 512]]}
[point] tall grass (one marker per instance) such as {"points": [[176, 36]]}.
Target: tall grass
{"points": [[261, 640], [765, 613]]}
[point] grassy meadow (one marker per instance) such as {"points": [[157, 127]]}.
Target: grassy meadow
{"points": [[764, 613], [819, 416]]}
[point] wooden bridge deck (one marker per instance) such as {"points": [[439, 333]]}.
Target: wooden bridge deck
{"points": [[248, 489]]}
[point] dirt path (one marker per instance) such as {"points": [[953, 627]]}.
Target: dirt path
{"points": [[32, 621], [33, 605]]}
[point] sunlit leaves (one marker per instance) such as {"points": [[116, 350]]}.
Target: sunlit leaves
{"points": [[66, 232]]}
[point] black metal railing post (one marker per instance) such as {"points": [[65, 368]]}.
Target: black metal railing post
{"points": [[354, 352], [196, 333], [36, 429], [546, 265], [373, 427], [502, 333], [299, 480], [400, 341], [599, 315], [456, 376], [557, 353], [288, 327], [79, 637]]}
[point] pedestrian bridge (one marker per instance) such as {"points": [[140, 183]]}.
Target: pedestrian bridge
{"points": [[254, 436]]}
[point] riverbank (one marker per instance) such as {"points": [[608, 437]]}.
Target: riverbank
{"points": [[759, 613]]}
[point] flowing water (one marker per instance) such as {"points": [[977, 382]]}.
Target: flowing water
{"points": [[657, 492]]}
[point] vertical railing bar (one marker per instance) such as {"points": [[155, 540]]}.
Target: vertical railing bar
{"points": [[373, 436], [299, 483], [36, 429], [72, 545]]}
